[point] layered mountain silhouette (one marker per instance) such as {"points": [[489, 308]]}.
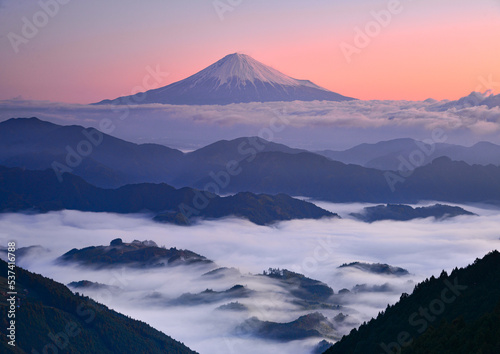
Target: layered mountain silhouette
{"points": [[252, 164], [388, 155], [236, 78], [112, 162], [35, 144], [308, 174]]}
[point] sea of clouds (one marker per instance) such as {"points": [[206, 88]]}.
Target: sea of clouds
{"points": [[312, 247], [312, 125]]}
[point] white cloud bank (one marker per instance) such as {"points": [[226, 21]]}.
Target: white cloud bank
{"points": [[312, 125], [312, 247]]}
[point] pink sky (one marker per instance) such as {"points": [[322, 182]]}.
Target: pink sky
{"points": [[91, 51]]}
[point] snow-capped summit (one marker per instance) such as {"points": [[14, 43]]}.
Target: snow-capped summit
{"points": [[236, 78], [240, 68]]}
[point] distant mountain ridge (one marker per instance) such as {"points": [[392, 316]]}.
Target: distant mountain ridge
{"points": [[388, 155], [236, 78], [255, 165], [35, 144], [474, 99], [307, 174]]}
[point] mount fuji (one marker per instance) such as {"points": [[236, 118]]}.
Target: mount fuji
{"points": [[236, 78]]}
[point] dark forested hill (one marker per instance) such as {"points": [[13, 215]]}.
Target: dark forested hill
{"points": [[145, 254], [405, 212], [50, 318], [455, 313], [41, 191]]}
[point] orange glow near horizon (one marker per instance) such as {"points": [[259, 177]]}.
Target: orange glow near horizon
{"points": [[443, 54]]}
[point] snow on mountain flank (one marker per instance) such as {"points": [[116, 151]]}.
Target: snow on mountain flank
{"points": [[236, 78], [244, 68]]}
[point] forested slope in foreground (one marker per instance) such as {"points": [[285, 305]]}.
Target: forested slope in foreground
{"points": [[456, 313], [50, 318]]}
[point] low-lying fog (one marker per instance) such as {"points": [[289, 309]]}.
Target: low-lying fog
{"points": [[314, 248]]}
